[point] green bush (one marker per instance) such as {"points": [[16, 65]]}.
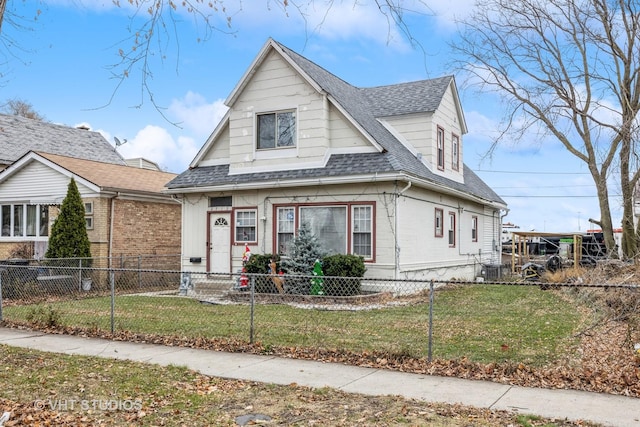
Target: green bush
{"points": [[349, 267]]}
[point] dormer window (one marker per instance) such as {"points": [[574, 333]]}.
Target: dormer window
{"points": [[276, 130]]}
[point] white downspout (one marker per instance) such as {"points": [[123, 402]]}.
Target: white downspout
{"points": [[111, 220]]}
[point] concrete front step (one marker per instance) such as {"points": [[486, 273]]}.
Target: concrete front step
{"points": [[217, 286]]}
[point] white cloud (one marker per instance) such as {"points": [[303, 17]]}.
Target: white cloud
{"points": [[156, 144], [447, 13], [193, 113]]}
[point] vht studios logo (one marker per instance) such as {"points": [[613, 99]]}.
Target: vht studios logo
{"points": [[61, 405]]}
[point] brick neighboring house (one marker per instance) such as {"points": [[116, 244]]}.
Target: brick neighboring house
{"points": [[126, 211]]}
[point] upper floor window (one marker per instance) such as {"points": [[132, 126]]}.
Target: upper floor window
{"points": [[246, 225], [276, 130], [440, 148], [455, 152]]}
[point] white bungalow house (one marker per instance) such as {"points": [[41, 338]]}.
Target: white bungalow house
{"points": [[376, 172]]}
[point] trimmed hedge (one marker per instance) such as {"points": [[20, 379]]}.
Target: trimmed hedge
{"points": [[347, 266]]}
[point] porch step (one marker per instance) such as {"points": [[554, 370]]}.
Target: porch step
{"points": [[215, 286]]}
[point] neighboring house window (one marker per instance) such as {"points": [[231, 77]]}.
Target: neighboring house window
{"points": [[455, 152], [361, 227], [474, 228], [439, 216], [452, 229], [246, 225], [286, 229], [276, 130], [88, 219], [331, 224], [440, 148], [22, 220]]}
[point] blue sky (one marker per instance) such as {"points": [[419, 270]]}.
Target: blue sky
{"points": [[60, 63]]}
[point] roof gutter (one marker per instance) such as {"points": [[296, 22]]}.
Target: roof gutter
{"points": [[377, 177]]}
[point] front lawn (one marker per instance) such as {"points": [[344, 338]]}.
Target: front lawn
{"points": [[483, 323]]}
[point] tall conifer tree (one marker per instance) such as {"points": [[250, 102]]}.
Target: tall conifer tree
{"points": [[68, 238]]}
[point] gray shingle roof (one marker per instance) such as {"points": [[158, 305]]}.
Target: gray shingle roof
{"points": [[365, 105], [19, 135]]}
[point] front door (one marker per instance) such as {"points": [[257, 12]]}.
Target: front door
{"points": [[220, 243]]}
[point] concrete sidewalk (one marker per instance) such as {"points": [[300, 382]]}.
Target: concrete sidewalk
{"points": [[605, 409]]}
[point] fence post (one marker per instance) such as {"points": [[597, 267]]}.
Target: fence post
{"points": [[112, 283], [252, 301], [0, 296], [430, 344], [80, 276]]}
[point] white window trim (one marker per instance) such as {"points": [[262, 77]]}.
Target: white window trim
{"points": [[354, 231], [236, 225], [279, 151]]}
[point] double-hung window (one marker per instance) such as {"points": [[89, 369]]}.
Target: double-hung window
{"points": [[286, 228], [276, 130], [361, 229], [440, 148], [246, 225], [438, 221], [474, 228], [452, 229], [455, 152]]}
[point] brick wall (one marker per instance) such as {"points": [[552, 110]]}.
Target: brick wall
{"points": [[146, 228]]}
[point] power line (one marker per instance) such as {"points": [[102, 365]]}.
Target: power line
{"points": [[543, 186], [532, 172], [558, 196]]}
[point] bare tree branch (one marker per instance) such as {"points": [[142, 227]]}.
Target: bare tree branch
{"points": [[568, 69]]}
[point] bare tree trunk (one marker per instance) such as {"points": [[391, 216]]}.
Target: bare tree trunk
{"points": [[3, 6], [604, 222]]}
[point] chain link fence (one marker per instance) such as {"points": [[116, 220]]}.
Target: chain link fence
{"points": [[412, 318]]}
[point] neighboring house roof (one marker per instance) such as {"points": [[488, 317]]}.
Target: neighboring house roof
{"points": [[101, 176], [19, 135], [141, 162], [113, 177], [364, 106]]}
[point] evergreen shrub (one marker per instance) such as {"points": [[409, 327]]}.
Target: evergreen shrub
{"points": [[346, 271]]}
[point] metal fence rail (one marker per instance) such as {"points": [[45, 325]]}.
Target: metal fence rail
{"points": [[410, 318]]}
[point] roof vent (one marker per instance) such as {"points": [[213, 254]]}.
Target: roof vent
{"points": [[83, 127]]}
